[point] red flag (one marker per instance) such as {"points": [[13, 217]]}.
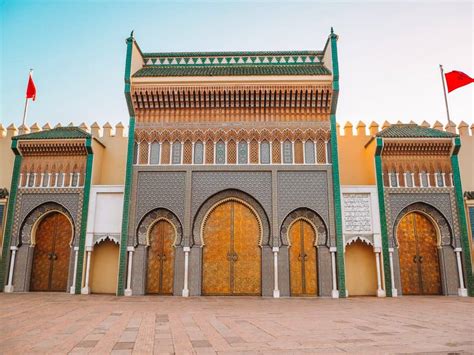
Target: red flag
{"points": [[455, 79], [31, 89]]}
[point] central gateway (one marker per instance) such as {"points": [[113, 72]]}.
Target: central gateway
{"points": [[231, 254]]}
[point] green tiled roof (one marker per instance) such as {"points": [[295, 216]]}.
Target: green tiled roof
{"points": [[413, 131], [235, 53], [224, 70], [56, 133]]}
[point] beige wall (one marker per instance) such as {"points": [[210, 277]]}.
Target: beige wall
{"points": [[6, 156], [356, 161], [361, 272], [466, 160], [104, 268]]}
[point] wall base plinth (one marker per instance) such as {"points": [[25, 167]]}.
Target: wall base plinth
{"points": [[380, 293], [276, 293], [335, 294], [8, 289], [128, 292], [394, 292], [85, 291], [462, 292], [185, 293]]}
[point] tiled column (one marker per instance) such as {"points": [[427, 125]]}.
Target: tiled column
{"points": [[394, 290], [276, 290], [86, 290], [462, 290], [380, 291], [128, 290], [335, 292], [9, 287], [72, 290], [186, 271]]}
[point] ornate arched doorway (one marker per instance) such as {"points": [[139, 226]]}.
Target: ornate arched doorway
{"points": [[303, 259], [160, 266], [231, 261], [418, 252], [52, 240]]}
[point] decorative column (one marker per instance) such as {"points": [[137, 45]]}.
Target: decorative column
{"points": [[335, 292], [72, 290], [276, 290], [9, 287], [462, 290], [86, 290], [128, 290], [394, 290], [186, 271], [380, 291]]}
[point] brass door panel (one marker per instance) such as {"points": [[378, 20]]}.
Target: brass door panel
{"points": [[247, 266], [303, 260], [51, 255], [418, 252], [160, 266], [231, 254]]}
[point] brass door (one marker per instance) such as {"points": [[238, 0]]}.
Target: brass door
{"points": [[419, 264], [161, 259], [231, 254], [303, 260], [51, 255]]}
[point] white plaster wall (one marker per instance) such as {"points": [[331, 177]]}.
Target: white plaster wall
{"points": [[374, 211], [105, 211]]}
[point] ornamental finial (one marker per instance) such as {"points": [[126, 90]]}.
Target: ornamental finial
{"points": [[131, 34], [332, 30]]}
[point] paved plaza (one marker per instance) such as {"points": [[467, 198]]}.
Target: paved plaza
{"points": [[62, 323]]}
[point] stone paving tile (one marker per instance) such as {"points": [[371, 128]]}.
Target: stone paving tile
{"points": [[62, 323]]}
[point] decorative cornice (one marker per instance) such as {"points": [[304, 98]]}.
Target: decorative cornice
{"points": [[316, 97], [43, 148], [226, 134], [419, 147]]}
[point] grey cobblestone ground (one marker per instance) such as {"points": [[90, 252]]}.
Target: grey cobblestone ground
{"points": [[97, 324]]}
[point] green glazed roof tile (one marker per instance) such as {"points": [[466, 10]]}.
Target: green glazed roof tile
{"points": [[56, 133], [232, 54], [223, 70], [413, 131]]}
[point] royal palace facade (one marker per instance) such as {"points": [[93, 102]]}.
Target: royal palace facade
{"points": [[236, 179]]}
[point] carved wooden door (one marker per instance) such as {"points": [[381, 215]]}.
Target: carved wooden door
{"points": [[231, 254], [303, 260], [419, 264], [51, 256], [161, 259]]}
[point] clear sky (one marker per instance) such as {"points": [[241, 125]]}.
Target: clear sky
{"points": [[388, 52]]}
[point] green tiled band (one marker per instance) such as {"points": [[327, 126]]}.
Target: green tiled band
{"points": [[128, 173], [84, 215], [11, 209], [341, 274], [383, 218], [462, 218]]}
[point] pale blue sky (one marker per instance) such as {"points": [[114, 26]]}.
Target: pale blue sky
{"points": [[388, 52]]}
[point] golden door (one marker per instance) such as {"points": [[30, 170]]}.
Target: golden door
{"points": [[161, 259], [51, 255], [418, 252], [231, 253], [303, 260]]}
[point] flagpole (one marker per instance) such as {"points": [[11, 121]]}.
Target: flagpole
{"points": [[444, 91], [25, 111]]}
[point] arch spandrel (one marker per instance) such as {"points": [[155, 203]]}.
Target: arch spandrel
{"points": [[151, 218], [444, 233], [221, 197], [312, 218], [36, 215]]}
